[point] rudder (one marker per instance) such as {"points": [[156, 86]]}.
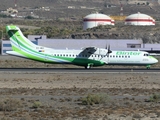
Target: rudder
{"points": [[18, 40]]}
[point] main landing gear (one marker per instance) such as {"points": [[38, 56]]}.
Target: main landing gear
{"points": [[89, 66]]}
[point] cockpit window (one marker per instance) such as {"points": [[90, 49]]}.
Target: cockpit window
{"points": [[146, 54]]}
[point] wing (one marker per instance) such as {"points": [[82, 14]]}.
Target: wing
{"points": [[89, 50]]}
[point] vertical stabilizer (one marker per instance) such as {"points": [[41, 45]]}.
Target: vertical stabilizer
{"points": [[18, 40]]}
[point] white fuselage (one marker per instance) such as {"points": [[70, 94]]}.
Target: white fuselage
{"points": [[113, 58]]}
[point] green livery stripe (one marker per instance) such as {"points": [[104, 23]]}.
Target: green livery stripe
{"points": [[16, 35], [17, 38], [27, 55], [21, 38], [21, 44]]}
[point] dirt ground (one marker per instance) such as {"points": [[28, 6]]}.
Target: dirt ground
{"points": [[59, 96], [52, 96]]}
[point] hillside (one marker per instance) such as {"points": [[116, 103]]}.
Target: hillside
{"points": [[57, 22], [149, 34], [80, 8]]}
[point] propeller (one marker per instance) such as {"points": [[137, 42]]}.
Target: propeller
{"points": [[108, 48]]}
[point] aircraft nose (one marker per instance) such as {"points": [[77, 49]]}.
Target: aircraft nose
{"points": [[154, 60]]}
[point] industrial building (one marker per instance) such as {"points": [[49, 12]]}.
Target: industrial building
{"points": [[115, 44], [139, 19]]}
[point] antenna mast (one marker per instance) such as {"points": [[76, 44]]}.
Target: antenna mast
{"points": [[121, 11], [15, 7]]}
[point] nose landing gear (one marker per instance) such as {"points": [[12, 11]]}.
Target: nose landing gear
{"points": [[148, 66]]}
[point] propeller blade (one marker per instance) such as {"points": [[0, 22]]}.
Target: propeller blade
{"points": [[106, 46], [109, 51], [109, 47]]}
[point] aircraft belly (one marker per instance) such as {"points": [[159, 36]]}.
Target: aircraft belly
{"points": [[83, 62]]}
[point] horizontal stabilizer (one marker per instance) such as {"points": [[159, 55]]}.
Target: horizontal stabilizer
{"points": [[12, 28]]}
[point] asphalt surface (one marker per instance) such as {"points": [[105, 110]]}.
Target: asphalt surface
{"points": [[80, 70]]}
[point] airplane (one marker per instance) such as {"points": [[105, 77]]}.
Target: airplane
{"points": [[87, 57]]}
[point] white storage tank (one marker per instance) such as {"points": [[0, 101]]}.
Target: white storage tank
{"points": [[139, 19], [94, 20]]}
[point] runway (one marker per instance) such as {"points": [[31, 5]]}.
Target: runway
{"points": [[80, 70]]}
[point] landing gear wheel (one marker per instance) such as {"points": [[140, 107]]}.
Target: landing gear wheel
{"points": [[148, 66], [87, 67]]}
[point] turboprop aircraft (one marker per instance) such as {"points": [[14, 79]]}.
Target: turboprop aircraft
{"points": [[87, 57]]}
